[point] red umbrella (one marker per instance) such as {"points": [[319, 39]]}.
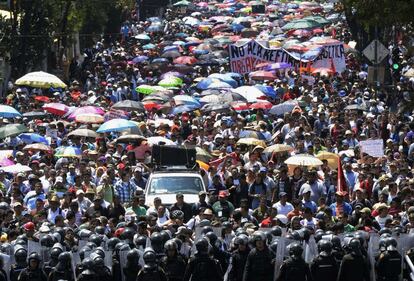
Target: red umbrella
{"points": [[262, 75], [317, 31], [185, 60], [302, 33], [56, 108], [151, 105], [239, 106], [42, 98], [261, 105]]}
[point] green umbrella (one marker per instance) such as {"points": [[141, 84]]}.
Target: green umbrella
{"points": [[318, 19], [301, 24], [12, 130], [148, 89], [171, 82], [182, 3]]}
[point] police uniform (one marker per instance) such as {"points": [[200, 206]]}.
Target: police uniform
{"points": [[294, 269], [259, 266], [388, 266], [324, 268]]}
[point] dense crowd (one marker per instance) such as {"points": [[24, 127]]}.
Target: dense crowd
{"points": [[87, 211]]}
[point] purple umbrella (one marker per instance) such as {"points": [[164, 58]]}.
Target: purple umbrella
{"points": [[172, 74], [140, 59], [86, 110]]}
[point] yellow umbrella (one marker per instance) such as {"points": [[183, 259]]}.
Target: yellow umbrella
{"points": [[251, 141], [40, 79], [332, 158], [278, 148], [89, 118]]}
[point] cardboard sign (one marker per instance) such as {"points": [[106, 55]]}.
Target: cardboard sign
{"points": [[374, 148], [244, 58]]}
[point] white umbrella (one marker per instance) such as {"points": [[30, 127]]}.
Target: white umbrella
{"points": [[303, 160], [40, 79], [15, 169], [158, 140], [250, 93], [282, 108]]}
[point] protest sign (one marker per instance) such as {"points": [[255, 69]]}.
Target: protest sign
{"points": [[374, 148], [244, 58]]}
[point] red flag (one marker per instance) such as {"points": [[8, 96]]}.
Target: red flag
{"points": [[341, 185], [333, 68]]}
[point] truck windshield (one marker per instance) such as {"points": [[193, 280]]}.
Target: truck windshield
{"points": [[166, 185]]}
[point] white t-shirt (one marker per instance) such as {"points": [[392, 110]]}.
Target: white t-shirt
{"points": [[283, 209]]}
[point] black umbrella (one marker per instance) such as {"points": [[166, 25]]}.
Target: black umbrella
{"points": [[215, 107], [129, 105], [34, 114], [171, 54]]}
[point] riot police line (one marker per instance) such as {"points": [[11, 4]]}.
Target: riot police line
{"points": [[265, 254]]}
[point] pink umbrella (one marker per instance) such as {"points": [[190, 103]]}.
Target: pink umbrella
{"points": [[86, 110], [56, 108], [6, 162], [202, 4]]}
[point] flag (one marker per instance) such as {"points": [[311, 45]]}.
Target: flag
{"points": [[341, 184]]}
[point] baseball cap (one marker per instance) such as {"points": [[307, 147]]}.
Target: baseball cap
{"points": [[263, 170], [80, 191], [223, 194], [29, 226]]}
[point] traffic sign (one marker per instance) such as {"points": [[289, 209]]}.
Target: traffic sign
{"points": [[376, 52]]}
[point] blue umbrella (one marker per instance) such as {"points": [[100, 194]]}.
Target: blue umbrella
{"points": [[140, 59], [187, 100], [193, 43], [8, 111], [183, 108], [237, 27], [251, 134], [116, 125], [267, 90], [143, 36], [149, 46], [219, 85], [160, 60], [225, 78], [170, 48], [200, 52], [181, 35], [203, 84], [32, 137], [68, 151], [154, 28]]}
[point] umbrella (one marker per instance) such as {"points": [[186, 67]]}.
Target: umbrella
{"points": [[148, 89], [239, 106], [282, 108], [89, 118], [140, 59], [86, 110], [143, 36], [34, 114], [278, 148], [301, 24], [184, 99], [249, 32], [303, 160], [116, 125], [12, 130], [8, 111], [37, 147], [129, 105], [224, 107], [87, 133], [318, 19], [332, 158], [56, 108], [6, 162], [219, 85], [32, 137], [278, 65], [262, 75], [355, 107], [250, 93], [171, 82], [130, 138], [183, 108], [265, 105], [182, 3], [170, 54], [149, 46], [42, 98], [267, 90], [17, 168], [68, 151], [159, 140], [251, 134], [203, 155], [251, 141], [185, 60], [40, 79]]}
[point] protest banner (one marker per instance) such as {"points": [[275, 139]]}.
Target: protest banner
{"points": [[245, 57], [374, 148]]}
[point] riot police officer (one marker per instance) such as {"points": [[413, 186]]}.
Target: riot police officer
{"points": [[215, 250], [259, 264], [151, 270], [324, 266], [239, 258], [103, 273], [56, 250], [354, 266], [20, 256], [295, 267], [33, 272], [132, 265], [202, 267], [87, 274], [173, 263], [63, 269], [388, 265]]}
